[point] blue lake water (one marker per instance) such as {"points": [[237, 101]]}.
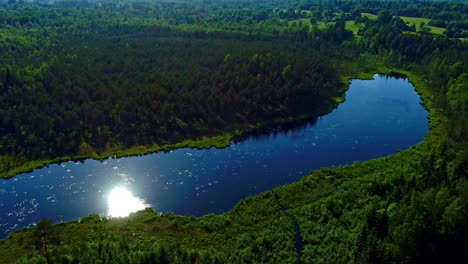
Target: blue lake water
{"points": [[378, 118]]}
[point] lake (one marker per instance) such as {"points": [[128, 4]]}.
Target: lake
{"points": [[378, 118]]}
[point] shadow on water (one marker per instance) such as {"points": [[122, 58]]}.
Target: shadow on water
{"points": [[299, 245], [299, 125], [393, 75], [277, 130]]}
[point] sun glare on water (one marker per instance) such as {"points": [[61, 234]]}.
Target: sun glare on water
{"points": [[121, 203]]}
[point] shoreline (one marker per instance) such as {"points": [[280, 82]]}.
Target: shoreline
{"points": [[225, 140], [217, 141]]}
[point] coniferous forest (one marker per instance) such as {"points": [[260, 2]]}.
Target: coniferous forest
{"points": [[93, 78]]}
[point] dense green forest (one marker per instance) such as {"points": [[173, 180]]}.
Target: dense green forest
{"points": [[144, 81], [99, 78]]}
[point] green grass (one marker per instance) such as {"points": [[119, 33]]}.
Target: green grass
{"points": [[437, 30], [412, 20], [417, 21], [351, 26], [323, 25], [304, 21], [369, 16]]}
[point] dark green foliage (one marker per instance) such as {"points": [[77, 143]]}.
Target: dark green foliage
{"points": [[45, 236], [107, 251], [384, 16], [117, 79]]}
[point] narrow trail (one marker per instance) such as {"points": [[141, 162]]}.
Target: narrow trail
{"points": [[298, 243]]}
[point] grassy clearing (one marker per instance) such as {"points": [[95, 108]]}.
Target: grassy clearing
{"points": [[410, 21], [304, 21], [369, 16], [417, 21], [437, 30], [351, 26]]}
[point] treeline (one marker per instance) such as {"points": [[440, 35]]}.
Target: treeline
{"points": [[155, 90], [120, 251]]}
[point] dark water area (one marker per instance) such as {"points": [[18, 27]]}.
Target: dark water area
{"points": [[298, 244], [378, 118]]}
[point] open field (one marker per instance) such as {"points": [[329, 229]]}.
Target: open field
{"points": [[370, 16], [417, 21], [410, 21], [350, 25]]}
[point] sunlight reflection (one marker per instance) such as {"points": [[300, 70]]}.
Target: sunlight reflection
{"points": [[121, 203]]}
